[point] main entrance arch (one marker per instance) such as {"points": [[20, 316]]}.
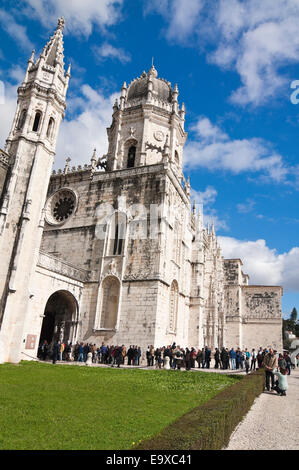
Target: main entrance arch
{"points": [[60, 318]]}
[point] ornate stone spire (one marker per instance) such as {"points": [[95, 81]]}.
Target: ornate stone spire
{"points": [[53, 52], [152, 72], [67, 165], [194, 208], [94, 158]]}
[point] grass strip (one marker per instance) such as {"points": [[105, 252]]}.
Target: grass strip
{"points": [[210, 425]]}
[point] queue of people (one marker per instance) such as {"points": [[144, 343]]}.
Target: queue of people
{"points": [[105, 354], [274, 364]]}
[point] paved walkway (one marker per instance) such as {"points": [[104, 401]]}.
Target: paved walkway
{"points": [[272, 423]]}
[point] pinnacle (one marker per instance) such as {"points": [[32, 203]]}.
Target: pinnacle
{"points": [[61, 23]]}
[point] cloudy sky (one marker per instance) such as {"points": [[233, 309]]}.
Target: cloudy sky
{"points": [[236, 63]]}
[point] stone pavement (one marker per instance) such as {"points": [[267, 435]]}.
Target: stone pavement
{"points": [[272, 423]]}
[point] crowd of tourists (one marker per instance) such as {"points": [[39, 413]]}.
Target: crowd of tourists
{"points": [[105, 354], [188, 358], [274, 363]]}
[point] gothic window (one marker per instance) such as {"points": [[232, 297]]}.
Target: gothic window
{"points": [[60, 206], [131, 156], [50, 128], [173, 306], [22, 119], [117, 233], [176, 158], [110, 301], [37, 120]]}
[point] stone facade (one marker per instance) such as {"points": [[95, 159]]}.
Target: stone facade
{"points": [[112, 250]]}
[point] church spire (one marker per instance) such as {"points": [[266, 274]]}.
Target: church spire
{"points": [[53, 52]]}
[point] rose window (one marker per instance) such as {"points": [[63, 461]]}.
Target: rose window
{"points": [[64, 208], [61, 206]]}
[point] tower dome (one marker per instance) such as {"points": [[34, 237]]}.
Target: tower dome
{"points": [[160, 88]]}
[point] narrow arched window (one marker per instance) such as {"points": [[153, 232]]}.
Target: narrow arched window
{"points": [[131, 157], [176, 157], [37, 119], [117, 233], [22, 119], [50, 128]]}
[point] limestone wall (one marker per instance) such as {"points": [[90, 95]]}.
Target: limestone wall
{"points": [[261, 311]]}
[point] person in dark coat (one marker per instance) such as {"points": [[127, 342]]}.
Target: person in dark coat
{"points": [[207, 357], [118, 356], [134, 355], [217, 358], [130, 355], [188, 359], [43, 350], [238, 362], [193, 357], [224, 358], [199, 357], [148, 357], [55, 351]]}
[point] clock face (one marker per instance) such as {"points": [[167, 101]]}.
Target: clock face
{"points": [[159, 135], [46, 76], [61, 206]]}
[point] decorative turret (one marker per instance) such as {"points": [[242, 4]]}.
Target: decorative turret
{"points": [[123, 95], [175, 95]]}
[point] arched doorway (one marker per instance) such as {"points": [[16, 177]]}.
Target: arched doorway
{"points": [[60, 318]]}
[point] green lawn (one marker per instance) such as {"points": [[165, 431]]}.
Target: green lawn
{"points": [[45, 406]]}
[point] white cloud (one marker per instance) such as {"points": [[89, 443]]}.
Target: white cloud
{"points": [[7, 111], [86, 128], [212, 148], [16, 31], [107, 51], [247, 206], [252, 37], [17, 74], [80, 15], [208, 196], [264, 265]]}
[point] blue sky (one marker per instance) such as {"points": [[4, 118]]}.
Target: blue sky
{"points": [[234, 62]]}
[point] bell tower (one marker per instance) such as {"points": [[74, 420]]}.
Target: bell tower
{"points": [[30, 148], [147, 125]]}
